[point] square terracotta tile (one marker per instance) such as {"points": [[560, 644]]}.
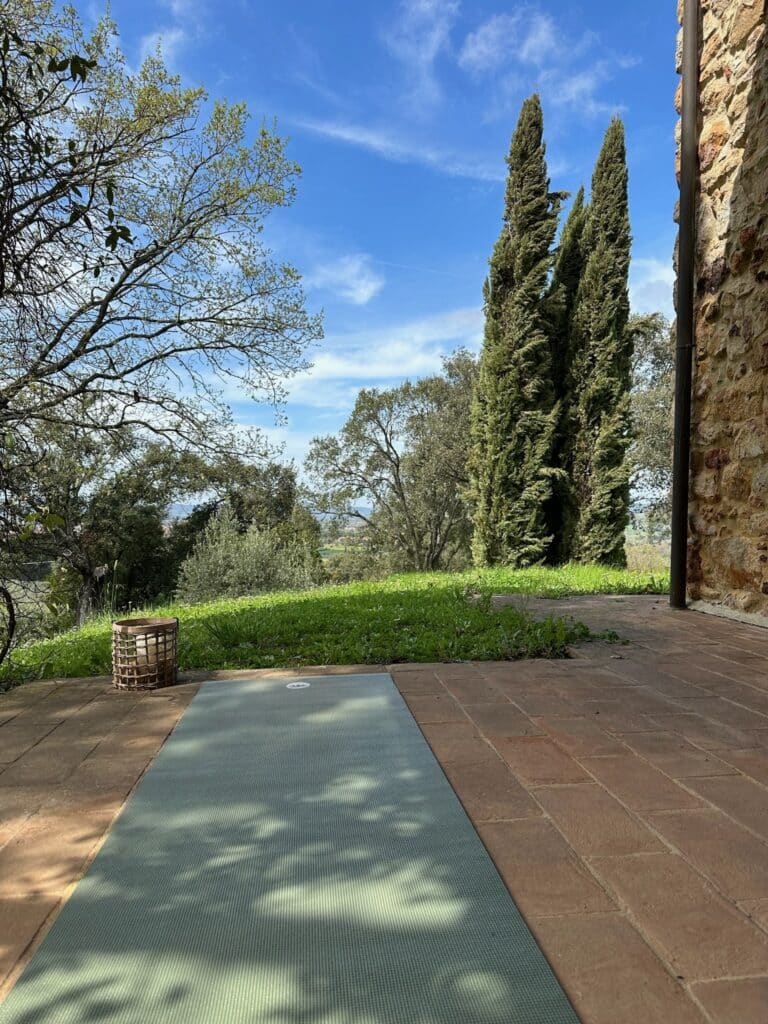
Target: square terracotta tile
{"points": [[594, 823], [18, 804], [473, 689], [747, 696], [45, 764], [98, 776], [752, 762], [541, 870], [50, 852], [698, 933], [727, 712], [417, 681], [704, 732], [458, 671], [729, 856], [610, 974], [615, 719], [581, 673], [537, 761], [647, 671], [675, 756], [694, 668], [757, 738], [538, 703], [757, 910], [21, 697], [736, 655], [741, 798], [457, 743], [495, 720], [16, 738], [489, 792], [637, 784], [21, 917], [580, 736], [646, 701], [678, 690], [735, 1002], [528, 673], [522, 687], [434, 707]]}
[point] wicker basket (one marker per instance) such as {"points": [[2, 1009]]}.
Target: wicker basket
{"points": [[144, 653]]}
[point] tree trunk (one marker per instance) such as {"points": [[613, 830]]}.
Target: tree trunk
{"points": [[86, 600]]}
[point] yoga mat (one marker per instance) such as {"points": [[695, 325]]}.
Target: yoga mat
{"points": [[294, 855]]}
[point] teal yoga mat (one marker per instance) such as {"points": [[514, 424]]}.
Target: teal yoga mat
{"points": [[292, 856]]}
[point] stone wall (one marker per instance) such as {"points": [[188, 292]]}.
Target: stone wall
{"points": [[728, 539]]}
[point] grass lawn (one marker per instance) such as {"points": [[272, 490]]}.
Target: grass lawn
{"points": [[412, 617]]}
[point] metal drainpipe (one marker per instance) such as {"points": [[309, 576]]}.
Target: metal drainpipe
{"points": [[685, 306]]}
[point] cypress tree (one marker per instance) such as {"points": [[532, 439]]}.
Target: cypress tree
{"points": [[514, 414], [602, 357], [566, 278]]}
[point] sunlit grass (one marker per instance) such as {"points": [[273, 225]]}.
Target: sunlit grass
{"points": [[418, 617]]}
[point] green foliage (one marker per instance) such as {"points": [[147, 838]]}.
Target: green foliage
{"points": [[653, 372], [415, 617], [187, 292], [514, 415], [39, 76], [263, 495], [398, 466], [561, 512], [62, 597], [133, 274], [356, 563], [602, 363], [228, 563]]}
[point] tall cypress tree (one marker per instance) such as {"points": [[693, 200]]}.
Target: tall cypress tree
{"points": [[602, 363], [569, 267], [514, 414]]}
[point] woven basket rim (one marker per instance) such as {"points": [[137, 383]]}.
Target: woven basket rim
{"points": [[142, 625]]}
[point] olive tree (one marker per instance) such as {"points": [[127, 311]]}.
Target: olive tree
{"points": [[398, 466], [135, 284]]}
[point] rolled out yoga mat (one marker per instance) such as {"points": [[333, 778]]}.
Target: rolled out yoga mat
{"points": [[294, 855]]}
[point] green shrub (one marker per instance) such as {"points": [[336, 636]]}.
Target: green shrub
{"points": [[357, 563], [228, 563]]}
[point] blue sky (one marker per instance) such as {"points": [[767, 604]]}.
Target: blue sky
{"points": [[400, 114]]}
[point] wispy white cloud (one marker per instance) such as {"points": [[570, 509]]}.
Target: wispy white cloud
{"points": [[651, 284], [523, 48], [185, 9], [540, 41], [390, 146], [170, 42], [334, 397], [524, 35], [417, 38], [353, 278], [578, 90], [186, 25], [368, 357], [384, 355]]}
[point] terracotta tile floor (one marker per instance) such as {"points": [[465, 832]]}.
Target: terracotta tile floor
{"points": [[623, 795], [624, 798]]}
